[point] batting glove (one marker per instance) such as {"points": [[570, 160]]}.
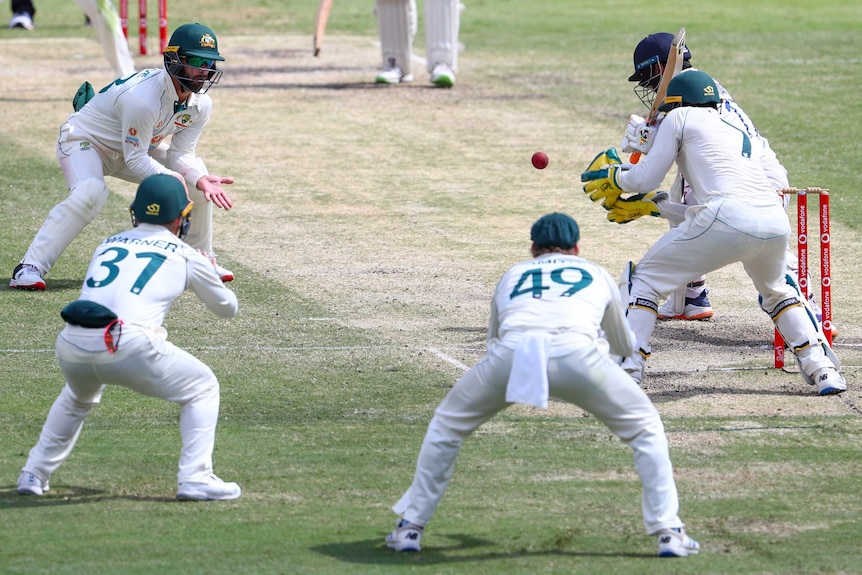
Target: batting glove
{"points": [[626, 210], [638, 136]]}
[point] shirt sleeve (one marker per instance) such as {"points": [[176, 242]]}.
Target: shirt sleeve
{"points": [[614, 324], [206, 284], [648, 174], [494, 320]]}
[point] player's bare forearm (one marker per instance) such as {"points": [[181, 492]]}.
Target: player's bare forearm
{"points": [[211, 186]]}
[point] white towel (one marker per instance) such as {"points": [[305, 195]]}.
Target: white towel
{"points": [[528, 380]]}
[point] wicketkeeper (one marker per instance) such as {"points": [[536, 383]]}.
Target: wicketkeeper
{"points": [[691, 302], [734, 216]]}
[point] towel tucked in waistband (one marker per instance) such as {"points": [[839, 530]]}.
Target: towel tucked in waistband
{"points": [[528, 380]]}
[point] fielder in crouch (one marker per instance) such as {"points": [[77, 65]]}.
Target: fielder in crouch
{"points": [[114, 335], [549, 319], [121, 132], [735, 216], [691, 301], [397, 24]]}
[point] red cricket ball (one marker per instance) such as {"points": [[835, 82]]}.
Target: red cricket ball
{"points": [[540, 160]]}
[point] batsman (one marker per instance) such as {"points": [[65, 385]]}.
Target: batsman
{"points": [[139, 125], [735, 216]]}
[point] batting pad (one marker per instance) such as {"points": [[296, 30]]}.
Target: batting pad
{"points": [[442, 20], [396, 23]]}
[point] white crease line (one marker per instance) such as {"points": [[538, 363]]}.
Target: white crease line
{"points": [[447, 358]]}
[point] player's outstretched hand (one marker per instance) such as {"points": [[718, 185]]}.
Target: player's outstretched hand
{"points": [[211, 186]]}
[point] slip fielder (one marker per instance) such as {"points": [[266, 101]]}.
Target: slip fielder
{"points": [[123, 132]]}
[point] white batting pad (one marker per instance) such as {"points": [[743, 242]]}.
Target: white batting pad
{"points": [[396, 23], [442, 20]]}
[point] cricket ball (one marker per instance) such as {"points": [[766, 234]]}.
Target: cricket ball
{"points": [[540, 160]]}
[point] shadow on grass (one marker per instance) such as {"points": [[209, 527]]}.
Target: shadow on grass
{"points": [[373, 551], [69, 495], [55, 285], [660, 396]]}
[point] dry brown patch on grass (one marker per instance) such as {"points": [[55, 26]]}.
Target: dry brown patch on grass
{"points": [[397, 208]]}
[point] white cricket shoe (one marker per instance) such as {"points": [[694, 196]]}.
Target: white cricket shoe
{"points": [[27, 277], [392, 76], [225, 274], [29, 484], [214, 489], [696, 308], [22, 20], [442, 75], [675, 543], [829, 381], [406, 537]]}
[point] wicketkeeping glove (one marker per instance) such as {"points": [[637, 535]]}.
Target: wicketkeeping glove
{"points": [[602, 178], [626, 210]]}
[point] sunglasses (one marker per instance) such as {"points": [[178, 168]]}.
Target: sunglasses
{"points": [[198, 62]]}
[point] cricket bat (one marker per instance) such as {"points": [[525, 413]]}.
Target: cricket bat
{"points": [[673, 67], [320, 24]]}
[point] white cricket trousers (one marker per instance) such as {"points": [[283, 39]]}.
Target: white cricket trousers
{"points": [[146, 363], [585, 377]]}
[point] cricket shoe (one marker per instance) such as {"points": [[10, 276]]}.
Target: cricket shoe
{"points": [[442, 75], [214, 489], [29, 484], [406, 537], [22, 20], [27, 277], [225, 274], [829, 381], [696, 308], [675, 543], [393, 76]]}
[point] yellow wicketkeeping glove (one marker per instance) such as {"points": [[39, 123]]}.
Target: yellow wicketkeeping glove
{"points": [[626, 210], [602, 178]]}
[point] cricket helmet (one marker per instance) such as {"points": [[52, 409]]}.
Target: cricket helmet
{"points": [[193, 46], [160, 199], [691, 88], [650, 51]]}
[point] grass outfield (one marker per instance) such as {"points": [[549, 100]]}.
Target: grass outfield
{"points": [[370, 226]]}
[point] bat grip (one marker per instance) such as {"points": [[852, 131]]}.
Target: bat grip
{"points": [[635, 157]]}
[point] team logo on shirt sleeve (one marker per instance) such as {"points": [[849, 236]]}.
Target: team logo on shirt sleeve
{"points": [[132, 138]]}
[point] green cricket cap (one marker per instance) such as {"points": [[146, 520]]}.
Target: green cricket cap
{"points": [[556, 230]]}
